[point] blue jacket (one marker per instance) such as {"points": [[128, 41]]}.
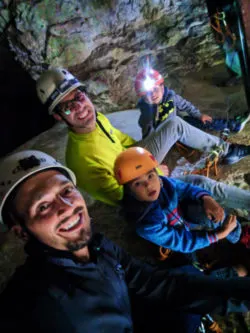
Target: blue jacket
{"points": [[161, 223], [172, 104]]}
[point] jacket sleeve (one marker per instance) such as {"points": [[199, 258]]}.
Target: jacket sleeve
{"points": [[145, 121], [179, 291], [182, 105], [188, 191], [156, 230], [124, 138], [102, 184]]}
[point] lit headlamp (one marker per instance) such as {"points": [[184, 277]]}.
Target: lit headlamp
{"points": [[148, 84]]}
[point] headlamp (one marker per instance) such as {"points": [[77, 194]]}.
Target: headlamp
{"points": [[148, 84]]}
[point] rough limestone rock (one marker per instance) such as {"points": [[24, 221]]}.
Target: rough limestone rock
{"points": [[105, 42]]}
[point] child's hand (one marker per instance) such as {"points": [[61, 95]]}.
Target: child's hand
{"points": [[229, 224], [204, 118], [241, 270], [164, 168], [212, 209]]}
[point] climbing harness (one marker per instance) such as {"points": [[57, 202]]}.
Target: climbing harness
{"points": [[211, 163], [201, 166], [190, 154]]}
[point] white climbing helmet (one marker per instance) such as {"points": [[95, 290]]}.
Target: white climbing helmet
{"points": [[18, 166], [53, 85]]}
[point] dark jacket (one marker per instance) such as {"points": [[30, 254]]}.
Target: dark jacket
{"points": [[52, 292], [172, 104]]}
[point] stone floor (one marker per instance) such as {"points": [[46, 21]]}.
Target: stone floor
{"points": [[201, 89]]}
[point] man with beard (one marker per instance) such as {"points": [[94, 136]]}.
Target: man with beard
{"points": [[76, 281], [94, 144]]}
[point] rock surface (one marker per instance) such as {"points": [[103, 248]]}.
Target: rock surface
{"points": [[105, 42]]}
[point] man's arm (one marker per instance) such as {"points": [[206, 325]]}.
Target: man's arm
{"points": [[178, 291], [124, 138], [182, 105], [100, 183], [146, 119]]}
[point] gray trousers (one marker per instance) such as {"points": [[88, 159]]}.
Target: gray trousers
{"points": [[161, 141]]}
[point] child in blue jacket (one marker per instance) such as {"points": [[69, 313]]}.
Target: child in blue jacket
{"points": [[168, 212]]}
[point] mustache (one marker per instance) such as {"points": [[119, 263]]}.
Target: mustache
{"points": [[77, 210]]}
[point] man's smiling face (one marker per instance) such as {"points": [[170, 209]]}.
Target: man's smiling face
{"points": [[79, 111], [54, 211]]}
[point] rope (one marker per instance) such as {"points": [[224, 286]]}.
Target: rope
{"points": [[221, 27]]}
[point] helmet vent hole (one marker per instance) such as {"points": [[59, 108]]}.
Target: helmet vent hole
{"points": [[29, 162]]}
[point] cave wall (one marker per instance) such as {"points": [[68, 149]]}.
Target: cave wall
{"points": [[21, 113], [103, 42]]}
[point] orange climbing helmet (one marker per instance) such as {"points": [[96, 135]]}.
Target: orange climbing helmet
{"points": [[133, 163], [146, 80]]}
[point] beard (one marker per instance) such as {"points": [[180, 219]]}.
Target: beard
{"points": [[82, 241]]}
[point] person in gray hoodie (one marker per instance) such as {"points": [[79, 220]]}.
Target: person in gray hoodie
{"points": [[160, 108]]}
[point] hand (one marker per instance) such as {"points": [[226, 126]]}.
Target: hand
{"points": [[212, 209], [204, 118], [164, 168], [229, 224], [241, 270]]}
